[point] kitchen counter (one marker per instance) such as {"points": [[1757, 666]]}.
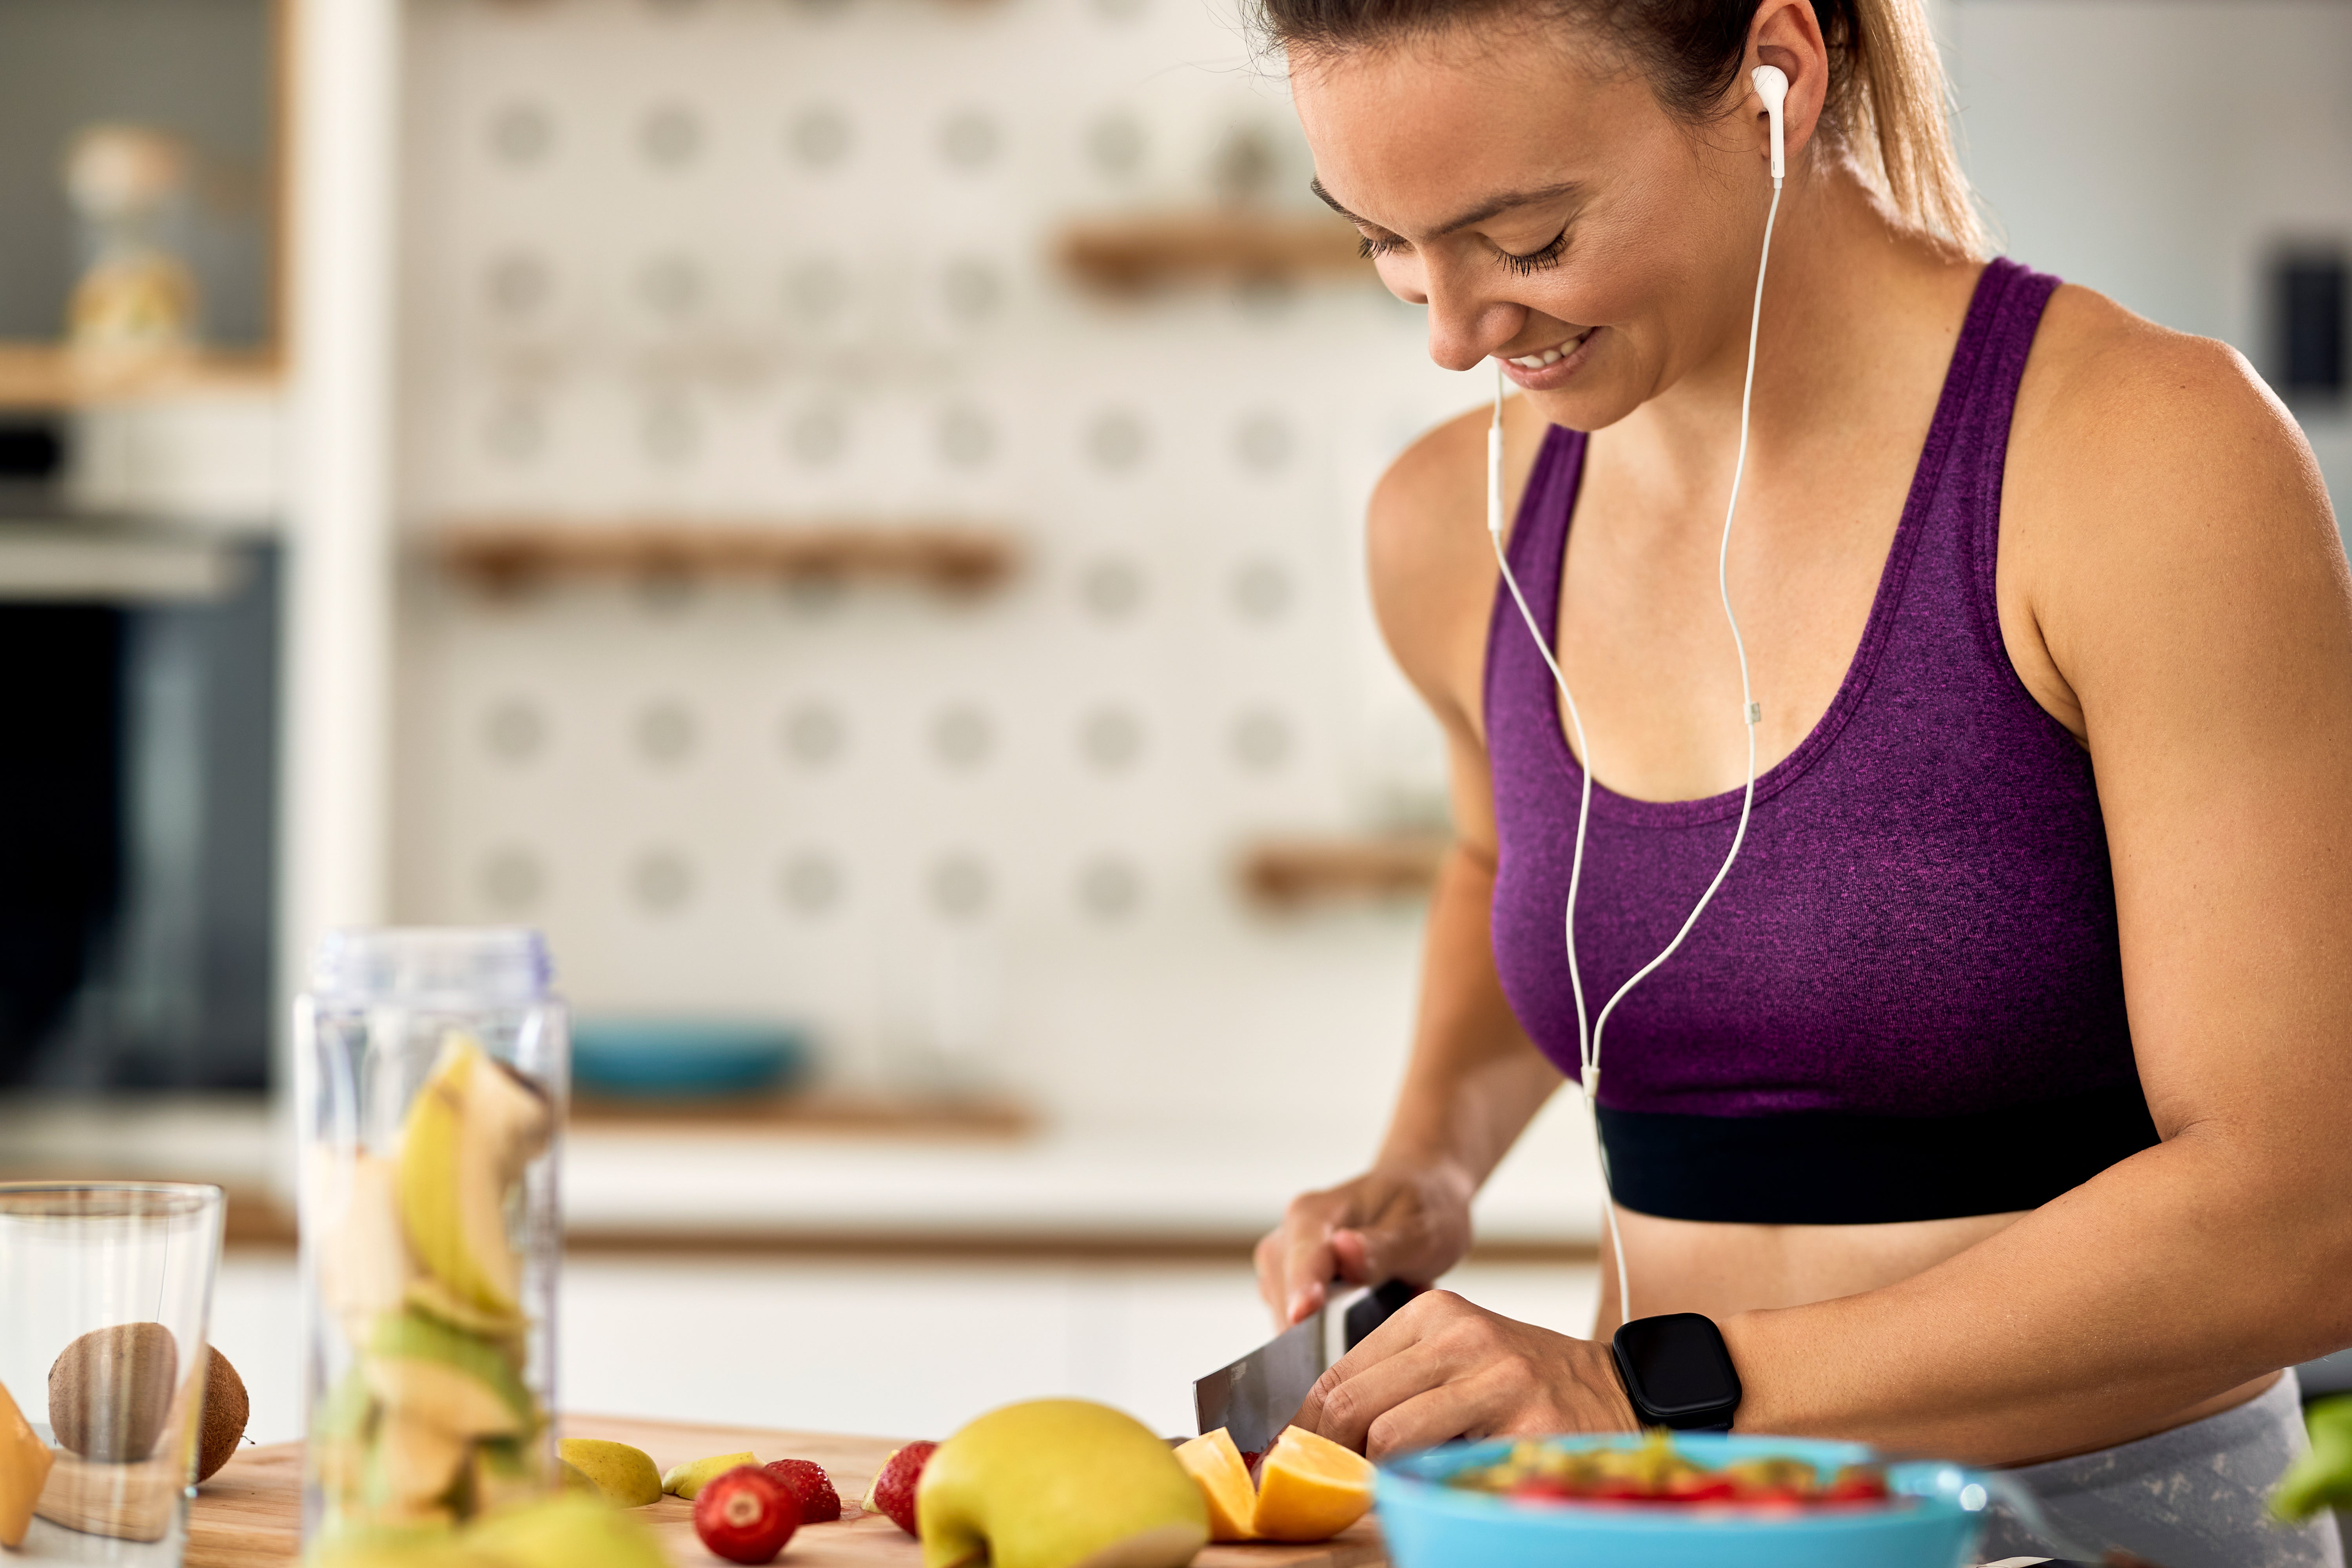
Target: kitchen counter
{"points": [[249, 1515]]}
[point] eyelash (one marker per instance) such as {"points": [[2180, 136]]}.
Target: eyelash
{"points": [[1533, 261]]}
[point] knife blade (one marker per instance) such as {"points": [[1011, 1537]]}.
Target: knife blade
{"points": [[1254, 1398]]}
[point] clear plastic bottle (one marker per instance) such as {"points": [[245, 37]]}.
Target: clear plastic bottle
{"points": [[433, 1071]]}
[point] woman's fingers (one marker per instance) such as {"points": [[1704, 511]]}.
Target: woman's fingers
{"points": [[1307, 1269], [1369, 1383], [1441, 1369]]}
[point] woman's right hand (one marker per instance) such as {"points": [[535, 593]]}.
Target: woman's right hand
{"points": [[1394, 1222]]}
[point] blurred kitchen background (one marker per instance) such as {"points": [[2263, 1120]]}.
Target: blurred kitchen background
{"points": [[844, 513]]}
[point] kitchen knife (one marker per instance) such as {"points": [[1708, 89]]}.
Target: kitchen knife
{"points": [[1254, 1398]]}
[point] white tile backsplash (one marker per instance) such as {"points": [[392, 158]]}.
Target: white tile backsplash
{"points": [[783, 258]]}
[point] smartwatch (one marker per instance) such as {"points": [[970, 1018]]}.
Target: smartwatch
{"points": [[1677, 1372]]}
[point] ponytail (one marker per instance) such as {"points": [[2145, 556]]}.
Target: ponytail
{"points": [[1891, 119]]}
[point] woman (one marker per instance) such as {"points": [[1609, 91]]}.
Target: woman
{"points": [[1996, 1106]]}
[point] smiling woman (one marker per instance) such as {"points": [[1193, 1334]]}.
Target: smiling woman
{"points": [[1961, 1120]]}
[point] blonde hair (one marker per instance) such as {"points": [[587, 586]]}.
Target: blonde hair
{"points": [[1891, 116], [1888, 97]]}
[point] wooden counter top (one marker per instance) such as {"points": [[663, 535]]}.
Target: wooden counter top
{"points": [[249, 1515]]}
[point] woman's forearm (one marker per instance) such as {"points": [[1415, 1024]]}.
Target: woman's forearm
{"points": [[1474, 1080], [2172, 1277]]}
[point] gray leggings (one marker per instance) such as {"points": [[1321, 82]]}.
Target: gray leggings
{"points": [[2190, 1498]]}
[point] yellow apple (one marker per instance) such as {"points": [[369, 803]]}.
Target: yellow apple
{"points": [[1058, 1483]]}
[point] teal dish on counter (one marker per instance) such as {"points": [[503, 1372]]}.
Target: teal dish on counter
{"points": [[685, 1059], [1935, 1521]]}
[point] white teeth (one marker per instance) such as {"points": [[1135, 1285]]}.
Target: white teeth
{"points": [[1552, 356]]}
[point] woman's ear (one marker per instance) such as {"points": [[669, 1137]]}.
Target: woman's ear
{"points": [[1786, 34]]}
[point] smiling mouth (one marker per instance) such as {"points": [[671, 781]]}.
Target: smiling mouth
{"points": [[1551, 355]]}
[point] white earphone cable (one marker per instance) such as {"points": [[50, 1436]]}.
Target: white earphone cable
{"points": [[1588, 1044]]}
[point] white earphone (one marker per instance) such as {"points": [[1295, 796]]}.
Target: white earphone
{"points": [[1772, 86]]}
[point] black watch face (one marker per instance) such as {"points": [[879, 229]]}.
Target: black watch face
{"points": [[1678, 1366]]}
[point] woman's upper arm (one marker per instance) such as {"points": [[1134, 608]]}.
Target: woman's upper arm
{"points": [[1432, 583], [2181, 569]]}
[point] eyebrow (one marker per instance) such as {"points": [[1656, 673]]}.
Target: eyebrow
{"points": [[1479, 214]]}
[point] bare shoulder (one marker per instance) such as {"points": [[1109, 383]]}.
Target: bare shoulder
{"points": [[1432, 567], [2153, 479], [2111, 398]]}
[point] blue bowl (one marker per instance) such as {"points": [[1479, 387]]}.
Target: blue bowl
{"points": [[684, 1058], [1430, 1524]]}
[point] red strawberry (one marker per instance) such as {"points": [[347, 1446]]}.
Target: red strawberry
{"points": [[893, 1491], [746, 1515], [820, 1504]]}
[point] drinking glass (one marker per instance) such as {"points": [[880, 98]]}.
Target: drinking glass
{"points": [[431, 1073], [105, 1293]]}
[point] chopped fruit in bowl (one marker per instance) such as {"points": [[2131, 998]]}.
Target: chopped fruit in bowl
{"points": [[746, 1515], [1690, 1500]]}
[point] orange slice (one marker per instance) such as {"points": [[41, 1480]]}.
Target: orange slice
{"points": [[1211, 1460], [1309, 1489], [25, 1462]]}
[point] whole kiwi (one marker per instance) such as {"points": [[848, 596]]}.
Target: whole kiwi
{"points": [[226, 1409], [110, 1389]]}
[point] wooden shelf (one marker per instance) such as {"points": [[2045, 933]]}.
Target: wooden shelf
{"points": [[1131, 255], [505, 556], [53, 376], [814, 1114], [1292, 874]]}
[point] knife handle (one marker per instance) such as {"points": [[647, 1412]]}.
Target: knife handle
{"points": [[1372, 1309]]}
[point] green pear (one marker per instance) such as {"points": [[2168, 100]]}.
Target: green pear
{"points": [[430, 1371], [416, 1465], [623, 1475], [380, 1546], [507, 1472], [567, 1529], [471, 1131], [687, 1480], [1058, 1483]]}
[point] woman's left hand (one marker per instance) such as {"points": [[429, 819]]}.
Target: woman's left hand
{"points": [[1441, 1369]]}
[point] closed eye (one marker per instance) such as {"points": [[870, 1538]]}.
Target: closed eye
{"points": [[1537, 260], [1370, 247]]}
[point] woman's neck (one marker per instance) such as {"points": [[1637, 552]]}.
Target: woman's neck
{"points": [[1849, 297]]}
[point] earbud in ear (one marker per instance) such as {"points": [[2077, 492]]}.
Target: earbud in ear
{"points": [[1772, 86]]}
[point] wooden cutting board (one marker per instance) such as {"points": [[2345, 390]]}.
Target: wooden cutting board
{"points": [[249, 1515]]}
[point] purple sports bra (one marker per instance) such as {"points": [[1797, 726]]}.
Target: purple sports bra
{"points": [[1905, 1001]]}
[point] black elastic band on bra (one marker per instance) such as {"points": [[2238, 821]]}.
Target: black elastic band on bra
{"points": [[1828, 1168]]}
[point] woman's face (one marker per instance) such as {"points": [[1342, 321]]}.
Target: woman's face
{"points": [[1540, 206]]}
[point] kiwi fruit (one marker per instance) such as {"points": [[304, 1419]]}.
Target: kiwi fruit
{"points": [[226, 1409], [111, 1389]]}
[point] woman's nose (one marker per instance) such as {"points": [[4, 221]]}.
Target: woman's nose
{"points": [[1465, 328]]}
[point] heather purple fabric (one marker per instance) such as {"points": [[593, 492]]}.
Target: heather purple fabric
{"points": [[1922, 922]]}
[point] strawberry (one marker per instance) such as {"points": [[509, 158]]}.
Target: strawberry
{"points": [[746, 1515], [820, 1504], [893, 1491]]}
